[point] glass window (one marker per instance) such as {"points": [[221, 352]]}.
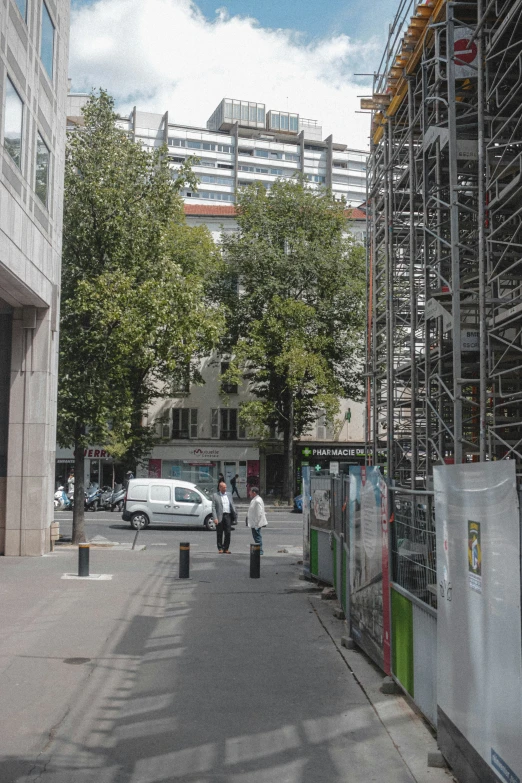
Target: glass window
{"points": [[195, 145], [22, 7], [137, 492], [47, 41], [214, 423], [14, 109], [284, 122], [43, 159], [244, 111], [227, 388], [294, 123], [228, 424], [275, 121], [236, 110], [228, 110], [193, 422], [160, 492], [180, 422], [260, 114], [186, 495], [252, 114], [262, 153]]}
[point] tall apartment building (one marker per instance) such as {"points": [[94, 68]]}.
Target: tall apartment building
{"points": [[34, 38], [243, 143], [198, 431]]}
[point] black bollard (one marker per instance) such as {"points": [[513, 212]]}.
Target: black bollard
{"points": [[83, 559], [184, 561], [255, 561]]}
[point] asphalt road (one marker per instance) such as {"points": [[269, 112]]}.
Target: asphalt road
{"points": [[284, 528]]}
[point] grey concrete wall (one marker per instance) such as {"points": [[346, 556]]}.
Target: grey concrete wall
{"points": [[30, 253]]}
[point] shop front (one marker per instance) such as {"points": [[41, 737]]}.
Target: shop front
{"points": [[100, 467], [202, 465], [327, 458]]}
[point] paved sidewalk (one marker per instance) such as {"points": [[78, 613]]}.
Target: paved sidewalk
{"points": [[221, 679]]}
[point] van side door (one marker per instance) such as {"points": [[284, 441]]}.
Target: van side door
{"points": [[161, 504], [188, 506]]}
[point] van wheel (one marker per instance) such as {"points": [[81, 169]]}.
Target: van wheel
{"points": [[139, 520], [209, 523]]}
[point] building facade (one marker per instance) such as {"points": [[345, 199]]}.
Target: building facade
{"points": [[33, 87], [199, 434], [233, 151]]}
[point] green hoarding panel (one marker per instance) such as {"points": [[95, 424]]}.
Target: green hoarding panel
{"points": [[314, 553], [402, 640]]}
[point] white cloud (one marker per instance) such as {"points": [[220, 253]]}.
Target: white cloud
{"points": [[164, 55]]}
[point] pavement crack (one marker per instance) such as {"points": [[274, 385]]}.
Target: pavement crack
{"points": [[51, 736], [363, 689]]}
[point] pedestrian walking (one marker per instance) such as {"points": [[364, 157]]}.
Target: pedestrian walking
{"points": [[233, 484], [223, 513], [256, 517], [70, 483], [220, 479]]}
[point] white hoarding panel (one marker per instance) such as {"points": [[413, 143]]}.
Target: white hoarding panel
{"points": [[479, 673]]}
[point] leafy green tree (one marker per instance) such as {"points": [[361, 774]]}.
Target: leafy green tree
{"points": [[134, 308], [296, 319]]}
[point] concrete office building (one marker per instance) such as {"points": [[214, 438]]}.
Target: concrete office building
{"points": [[33, 87]]}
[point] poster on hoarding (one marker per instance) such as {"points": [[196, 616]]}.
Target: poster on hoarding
{"points": [[366, 560], [479, 650]]}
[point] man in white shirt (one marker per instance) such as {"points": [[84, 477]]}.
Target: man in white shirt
{"points": [[256, 518], [223, 513]]}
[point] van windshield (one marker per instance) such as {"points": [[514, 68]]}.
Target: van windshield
{"points": [[204, 491]]}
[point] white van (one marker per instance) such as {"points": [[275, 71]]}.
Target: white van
{"points": [[166, 502]]}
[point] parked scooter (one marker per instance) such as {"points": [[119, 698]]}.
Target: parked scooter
{"points": [[92, 497], [105, 499], [61, 499], [118, 498]]}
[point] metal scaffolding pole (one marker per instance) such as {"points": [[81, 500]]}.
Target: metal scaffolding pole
{"points": [[445, 227]]}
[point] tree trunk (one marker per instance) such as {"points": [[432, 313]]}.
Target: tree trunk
{"points": [[78, 526], [288, 479]]}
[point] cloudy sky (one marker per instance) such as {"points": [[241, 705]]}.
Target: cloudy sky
{"points": [[184, 56]]}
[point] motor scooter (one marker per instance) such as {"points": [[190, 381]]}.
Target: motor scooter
{"points": [[61, 499], [118, 498], [105, 499], [92, 497]]}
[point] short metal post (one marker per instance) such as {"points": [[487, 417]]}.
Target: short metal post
{"points": [[255, 561], [184, 561], [83, 559]]}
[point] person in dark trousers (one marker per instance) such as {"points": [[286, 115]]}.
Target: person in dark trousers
{"points": [[223, 514], [234, 485], [220, 479]]}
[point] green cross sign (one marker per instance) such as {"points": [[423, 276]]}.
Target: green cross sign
{"points": [[318, 468], [307, 452]]}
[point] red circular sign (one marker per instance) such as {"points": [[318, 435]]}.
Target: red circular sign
{"points": [[465, 53]]}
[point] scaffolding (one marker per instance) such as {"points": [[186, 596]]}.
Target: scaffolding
{"points": [[444, 358]]}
